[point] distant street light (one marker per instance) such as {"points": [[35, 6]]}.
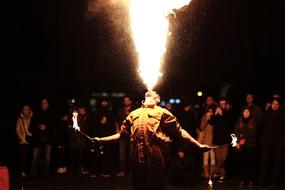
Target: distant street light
{"points": [[199, 93]]}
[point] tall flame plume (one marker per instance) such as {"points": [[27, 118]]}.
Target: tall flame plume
{"points": [[149, 26]]}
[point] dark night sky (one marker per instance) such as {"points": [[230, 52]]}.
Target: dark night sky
{"points": [[57, 47]]}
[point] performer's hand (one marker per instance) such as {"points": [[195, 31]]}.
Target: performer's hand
{"points": [[205, 147], [29, 134], [23, 142], [42, 127], [181, 154], [238, 146], [219, 111], [96, 139]]}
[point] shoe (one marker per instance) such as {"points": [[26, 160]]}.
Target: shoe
{"points": [[221, 179], [241, 184], [64, 169], [60, 170], [23, 175], [121, 174], [105, 175], [84, 172], [215, 176], [250, 184]]}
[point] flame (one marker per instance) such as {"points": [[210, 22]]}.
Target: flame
{"points": [[234, 140], [210, 183], [75, 123], [149, 26]]}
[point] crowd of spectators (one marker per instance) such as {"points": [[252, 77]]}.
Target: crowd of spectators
{"points": [[48, 144]]}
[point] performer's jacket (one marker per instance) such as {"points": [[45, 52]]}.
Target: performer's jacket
{"points": [[148, 128]]}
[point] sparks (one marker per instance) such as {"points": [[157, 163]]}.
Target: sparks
{"points": [[149, 26]]}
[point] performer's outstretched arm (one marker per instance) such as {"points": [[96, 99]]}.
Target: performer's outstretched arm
{"points": [[124, 131], [172, 124], [188, 138], [114, 137]]}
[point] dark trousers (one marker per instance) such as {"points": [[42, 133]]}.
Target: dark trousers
{"points": [[41, 159], [123, 155], [221, 157], [145, 178], [180, 171], [102, 159], [60, 156], [248, 164], [271, 164], [24, 157], [75, 161]]}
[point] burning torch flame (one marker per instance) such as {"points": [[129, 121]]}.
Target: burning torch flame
{"points": [[234, 140], [75, 123], [210, 183], [149, 25]]}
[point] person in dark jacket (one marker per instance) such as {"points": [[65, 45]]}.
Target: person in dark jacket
{"points": [[272, 144], [123, 144], [180, 168], [223, 122], [43, 130], [61, 141], [78, 144], [187, 118], [103, 125], [246, 132], [255, 109]]}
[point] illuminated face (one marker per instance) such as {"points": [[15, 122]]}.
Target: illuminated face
{"points": [[210, 112], [26, 110], [168, 105], [82, 111], [275, 105], [246, 113], [44, 104], [151, 98], [150, 101], [181, 154], [104, 103], [210, 100], [223, 104], [127, 101], [249, 98]]}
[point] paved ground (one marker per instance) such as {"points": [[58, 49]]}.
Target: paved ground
{"points": [[64, 182]]}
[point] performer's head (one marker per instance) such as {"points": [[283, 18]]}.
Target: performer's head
{"points": [[151, 99]]}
